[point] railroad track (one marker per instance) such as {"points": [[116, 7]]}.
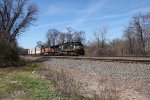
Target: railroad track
{"points": [[142, 60]]}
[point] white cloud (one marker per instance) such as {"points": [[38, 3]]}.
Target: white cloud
{"points": [[114, 18], [101, 4], [60, 9], [52, 24], [137, 5]]}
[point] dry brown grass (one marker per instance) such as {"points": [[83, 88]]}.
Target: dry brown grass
{"points": [[83, 89], [65, 84]]}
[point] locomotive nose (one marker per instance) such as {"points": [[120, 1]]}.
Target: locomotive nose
{"points": [[79, 50]]}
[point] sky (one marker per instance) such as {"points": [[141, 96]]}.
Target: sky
{"points": [[82, 15]]}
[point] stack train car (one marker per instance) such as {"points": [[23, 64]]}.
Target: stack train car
{"points": [[68, 49]]}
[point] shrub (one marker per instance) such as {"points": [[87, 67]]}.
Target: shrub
{"points": [[8, 54]]}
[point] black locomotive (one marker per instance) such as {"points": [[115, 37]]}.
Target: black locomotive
{"points": [[69, 48]]}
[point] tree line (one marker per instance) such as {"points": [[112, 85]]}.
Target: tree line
{"points": [[54, 37], [137, 34], [135, 40], [17, 15]]}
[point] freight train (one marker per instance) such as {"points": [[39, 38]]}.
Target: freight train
{"points": [[68, 48]]}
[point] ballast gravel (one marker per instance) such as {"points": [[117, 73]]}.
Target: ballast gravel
{"points": [[128, 72], [130, 81]]}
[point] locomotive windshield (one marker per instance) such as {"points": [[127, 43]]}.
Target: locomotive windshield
{"points": [[77, 44]]}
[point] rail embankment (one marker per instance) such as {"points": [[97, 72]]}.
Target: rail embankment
{"points": [[107, 79], [98, 79]]}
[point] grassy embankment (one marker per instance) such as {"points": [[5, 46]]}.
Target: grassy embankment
{"points": [[22, 83]]}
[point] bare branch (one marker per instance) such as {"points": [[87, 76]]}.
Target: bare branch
{"points": [[15, 18]]}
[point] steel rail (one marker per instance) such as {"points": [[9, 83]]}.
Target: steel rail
{"points": [[103, 59]]}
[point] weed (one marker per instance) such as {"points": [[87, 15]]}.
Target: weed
{"points": [[65, 85], [34, 66], [2, 74]]}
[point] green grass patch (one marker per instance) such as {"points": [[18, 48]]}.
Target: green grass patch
{"points": [[31, 85], [35, 87], [22, 79]]}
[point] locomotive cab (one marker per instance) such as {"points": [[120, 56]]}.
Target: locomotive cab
{"points": [[71, 48], [78, 48]]}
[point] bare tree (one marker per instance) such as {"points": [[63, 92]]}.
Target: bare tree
{"points": [[96, 33], [52, 36], [14, 18], [79, 36], [55, 36], [39, 43], [130, 37], [100, 40], [103, 34], [69, 34], [117, 47], [61, 37], [138, 34]]}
